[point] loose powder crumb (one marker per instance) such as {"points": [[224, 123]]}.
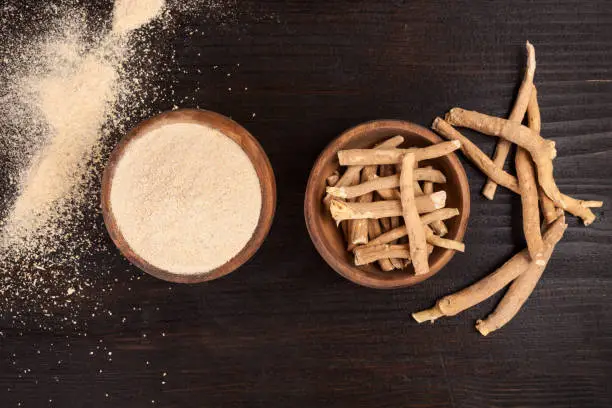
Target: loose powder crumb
{"points": [[186, 198]]}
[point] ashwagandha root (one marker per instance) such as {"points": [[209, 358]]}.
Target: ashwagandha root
{"points": [[435, 240], [359, 228], [501, 177], [542, 151], [333, 179], [367, 157], [414, 227], [384, 183], [341, 210], [477, 156], [438, 226], [375, 231], [517, 294], [368, 254], [591, 203], [353, 172], [534, 121], [530, 205], [400, 232], [389, 194], [391, 222], [489, 285], [516, 115]]}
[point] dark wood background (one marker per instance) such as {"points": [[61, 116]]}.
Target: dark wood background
{"points": [[287, 331]]}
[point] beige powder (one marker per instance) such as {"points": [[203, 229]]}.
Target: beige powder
{"points": [[186, 198], [129, 15]]}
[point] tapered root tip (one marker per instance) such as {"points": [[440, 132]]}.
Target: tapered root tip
{"points": [[427, 315], [481, 326], [488, 193]]}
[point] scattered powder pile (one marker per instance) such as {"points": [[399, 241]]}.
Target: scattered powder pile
{"points": [[186, 198], [71, 84], [129, 15], [74, 100], [58, 110]]}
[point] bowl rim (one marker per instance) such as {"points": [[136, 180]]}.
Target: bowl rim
{"points": [[247, 143], [311, 204]]}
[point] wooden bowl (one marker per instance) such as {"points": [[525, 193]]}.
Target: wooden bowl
{"points": [[329, 240], [253, 150]]}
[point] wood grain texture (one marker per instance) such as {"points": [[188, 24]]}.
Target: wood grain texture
{"points": [[285, 330]]}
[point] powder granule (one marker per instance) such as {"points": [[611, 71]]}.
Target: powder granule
{"points": [[186, 198]]}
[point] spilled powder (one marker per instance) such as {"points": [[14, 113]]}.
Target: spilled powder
{"points": [[58, 269], [61, 101], [129, 15], [186, 198]]}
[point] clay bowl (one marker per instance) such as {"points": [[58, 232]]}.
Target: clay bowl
{"points": [[253, 150], [328, 239]]}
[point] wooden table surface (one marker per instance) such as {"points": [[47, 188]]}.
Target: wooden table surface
{"points": [[285, 330]]}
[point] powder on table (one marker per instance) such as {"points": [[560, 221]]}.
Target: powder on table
{"points": [[186, 198], [129, 15]]}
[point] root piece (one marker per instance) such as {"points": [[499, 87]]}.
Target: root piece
{"points": [[477, 156], [374, 231], [399, 232], [359, 230], [341, 210], [534, 120], [575, 207], [435, 240], [391, 194], [333, 179], [519, 291], [383, 183], [367, 157], [516, 115], [531, 194], [455, 303], [542, 151], [379, 183], [368, 254], [438, 226], [530, 205], [393, 222], [353, 172], [486, 165], [414, 227], [439, 215], [549, 211], [591, 204]]}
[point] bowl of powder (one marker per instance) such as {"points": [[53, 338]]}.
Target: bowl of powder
{"points": [[188, 196]]}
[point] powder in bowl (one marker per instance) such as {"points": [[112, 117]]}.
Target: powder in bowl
{"points": [[185, 197]]}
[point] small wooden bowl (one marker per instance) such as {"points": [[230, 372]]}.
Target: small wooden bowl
{"points": [[328, 239], [253, 150]]}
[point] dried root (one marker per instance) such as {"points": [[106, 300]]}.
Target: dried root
{"points": [[414, 227], [486, 287], [516, 115]]}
